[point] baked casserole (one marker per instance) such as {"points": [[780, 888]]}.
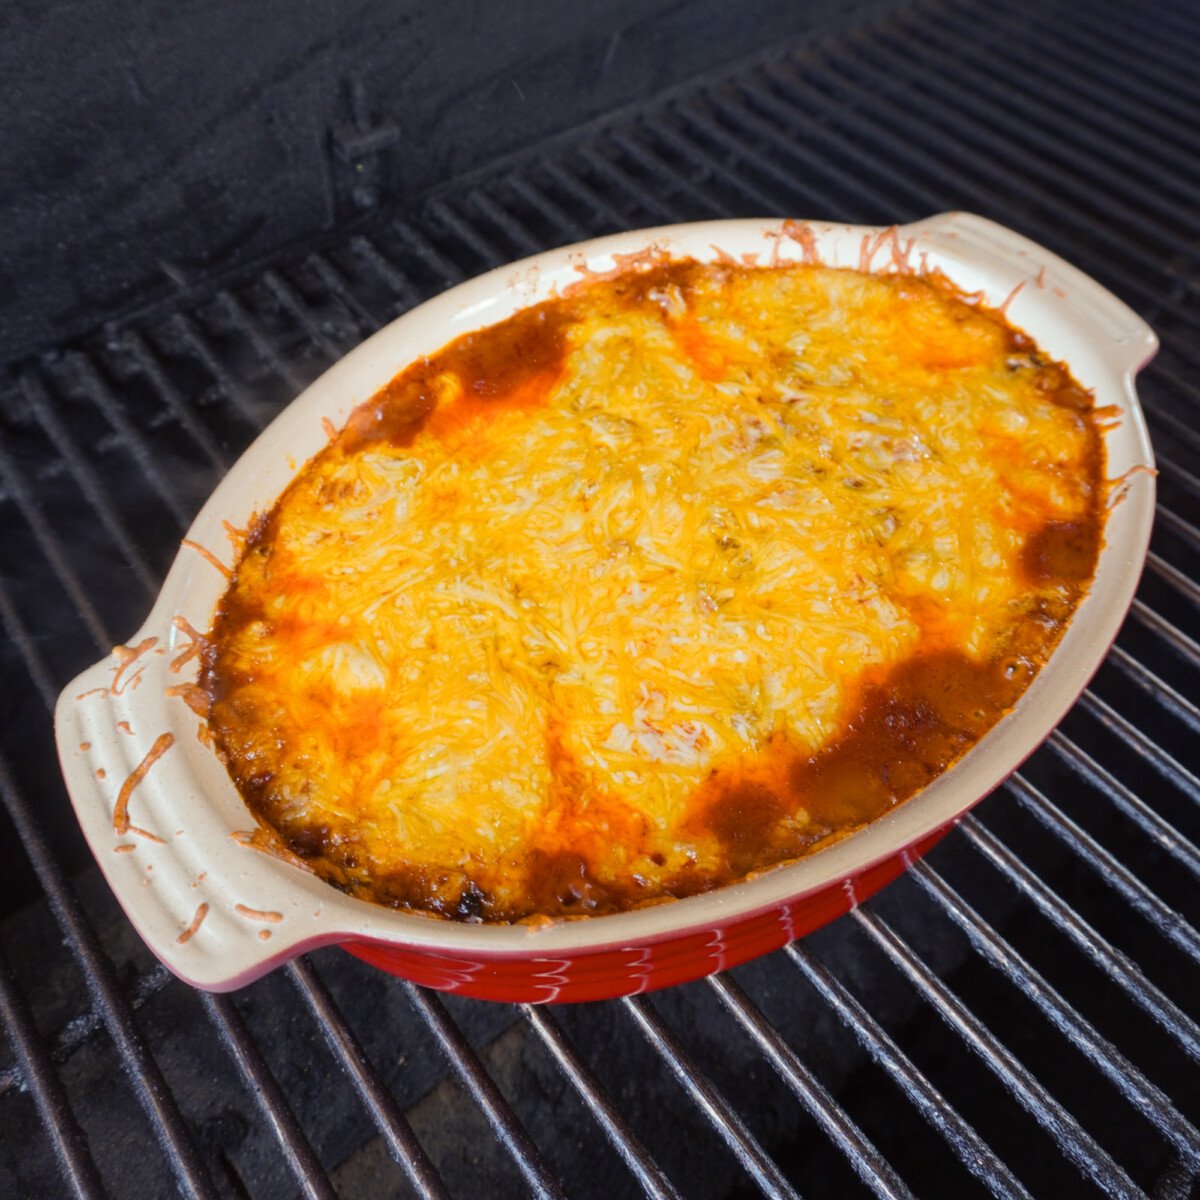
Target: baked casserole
{"points": [[683, 574]]}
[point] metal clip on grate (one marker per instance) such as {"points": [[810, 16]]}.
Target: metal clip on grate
{"points": [[1016, 1018]]}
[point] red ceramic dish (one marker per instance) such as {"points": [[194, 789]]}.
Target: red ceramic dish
{"points": [[623, 969], [212, 900]]}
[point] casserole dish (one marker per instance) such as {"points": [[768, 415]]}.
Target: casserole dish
{"points": [[220, 903]]}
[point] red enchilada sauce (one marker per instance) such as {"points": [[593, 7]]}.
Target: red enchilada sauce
{"points": [[516, 370]]}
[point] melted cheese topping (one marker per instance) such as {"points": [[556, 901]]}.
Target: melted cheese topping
{"points": [[648, 587]]}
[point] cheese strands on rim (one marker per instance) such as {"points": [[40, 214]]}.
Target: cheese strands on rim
{"points": [[678, 577]]}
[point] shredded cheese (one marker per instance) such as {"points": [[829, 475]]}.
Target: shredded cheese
{"points": [[535, 628]]}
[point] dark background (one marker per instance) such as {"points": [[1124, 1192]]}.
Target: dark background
{"points": [[146, 146]]}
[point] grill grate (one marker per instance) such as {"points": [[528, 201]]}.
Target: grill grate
{"points": [[1016, 1017]]}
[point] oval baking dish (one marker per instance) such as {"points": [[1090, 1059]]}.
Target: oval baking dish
{"points": [[220, 904]]}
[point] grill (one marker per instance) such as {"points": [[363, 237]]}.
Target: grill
{"points": [[1015, 1017]]}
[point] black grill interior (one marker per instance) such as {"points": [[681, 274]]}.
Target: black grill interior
{"points": [[1015, 1017]]}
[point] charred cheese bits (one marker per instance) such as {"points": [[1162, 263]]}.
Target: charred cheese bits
{"points": [[670, 580]]}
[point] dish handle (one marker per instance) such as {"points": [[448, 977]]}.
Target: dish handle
{"points": [[1026, 264], [216, 915]]}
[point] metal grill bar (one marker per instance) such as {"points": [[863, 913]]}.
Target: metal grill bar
{"points": [[149, 366], [199, 343], [1099, 94], [1155, 689], [519, 235], [474, 1077], [729, 1127], [90, 487], [402, 1143], [192, 336], [1172, 575], [1160, 418], [967, 1145], [1181, 528], [1140, 814], [445, 271], [336, 285], [441, 211], [70, 1144], [613, 1125], [1179, 477], [483, 242], [18, 634], [1163, 762], [237, 314], [1133, 891], [80, 1030], [1174, 637], [140, 1067], [285, 294], [872, 1168], [395, 279], [1120, 969], [1078, 1146], [1183, 586], [537, 199], [357, 315], [1178, 429], [589, 195], [1129, 1081], [269, 1097]]}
